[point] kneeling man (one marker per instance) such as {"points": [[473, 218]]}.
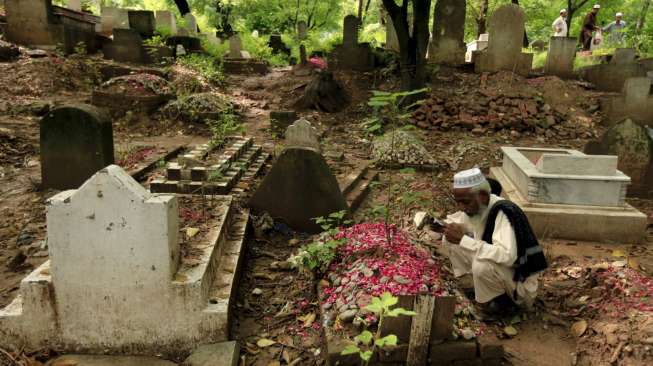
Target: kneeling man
{"points": [[491, 238]]}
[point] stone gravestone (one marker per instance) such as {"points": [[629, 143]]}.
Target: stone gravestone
{"points": [[612, 76], [560, 59], [112, 18], [235, 47], [539, 45], [191, 24], [350, 31], [635, 103], [632, 143], [391, 40], [143, 22], [127, 46], [75, 5], [504, 50], [276, 44], [300, 186], [166, 20], [76, 141], [302, 134], [352, 55], [302, 30], [448, 45], [281, 120]]}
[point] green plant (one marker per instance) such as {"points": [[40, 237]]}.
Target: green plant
{"points": [[155, 41], [388, 108], [318, 255], [205, 65], [80, 48], [160, 164], [381, 307], [226, 125]]}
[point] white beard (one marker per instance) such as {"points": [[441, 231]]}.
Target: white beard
{"points": [[478, 220]]}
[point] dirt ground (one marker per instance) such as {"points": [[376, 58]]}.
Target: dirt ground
{"points": [[273, 303]]}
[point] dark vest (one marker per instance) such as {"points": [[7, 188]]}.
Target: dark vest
{"points": [[530, 257]]}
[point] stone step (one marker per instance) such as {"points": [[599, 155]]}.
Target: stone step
{"points": [[350, 181], [252, 172], [223, 290], [194, 279], [359, 191]]}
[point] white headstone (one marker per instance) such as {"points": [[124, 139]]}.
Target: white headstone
{"points": [[191, 23], [113, 245], [302, 134], [75, 5], [235, 47], [166, 19]]}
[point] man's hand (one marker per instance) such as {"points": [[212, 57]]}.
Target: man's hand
{"points": [[454, 233]]}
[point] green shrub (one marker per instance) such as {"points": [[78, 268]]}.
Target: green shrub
{"points": [[206, 65]]}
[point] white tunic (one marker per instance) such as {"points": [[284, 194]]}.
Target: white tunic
{"points": [[489, 264], [561, 24]]}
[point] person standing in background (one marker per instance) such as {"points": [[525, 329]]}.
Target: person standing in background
{"points": [[615, 30], [560, 25], [589, 26]]}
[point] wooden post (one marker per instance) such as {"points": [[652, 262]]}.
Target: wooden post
{"points": [[444, 311], [420, 331]]}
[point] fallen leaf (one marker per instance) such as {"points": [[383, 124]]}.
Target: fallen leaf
{"points": [[619, 264], [579, 328], [192, 231], [286, 356], [274, 363], [45, 272], [308, 319], [633, 263], [181, 278], [510, 331], [264, 342]]}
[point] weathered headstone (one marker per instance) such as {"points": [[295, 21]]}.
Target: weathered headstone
{"points": [[560, 59], [448, 46], [479, 44], [352, 55], [127, 46], [143, 22], [391, 40], [632, 143], [191, 23], [76, 141], [350, 31], [235, 47], [165, 20], [636, 103], [506, 40], [276, 44], [302, 134], [281, 120], [612, 76], [538, 45], [75, 5], [300, 186], [112, 18], [302, 30], [211, 39]]}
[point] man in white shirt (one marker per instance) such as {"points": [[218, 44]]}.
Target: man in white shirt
{"points": [[491, 239], [616, 30], [560, 24]]}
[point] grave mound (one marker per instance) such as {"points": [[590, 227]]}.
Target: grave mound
{"points": [[404, 149], [133, 92], [197, 107]]}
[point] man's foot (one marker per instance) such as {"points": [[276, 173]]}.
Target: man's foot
{"points": [[501, 306]]}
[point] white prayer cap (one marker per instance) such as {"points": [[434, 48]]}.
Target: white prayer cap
{"points": [[597, 6], [563, 11], [468, 178], [620, 14]]}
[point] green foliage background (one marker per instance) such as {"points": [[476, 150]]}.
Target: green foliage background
{"points": [[325, 19]]}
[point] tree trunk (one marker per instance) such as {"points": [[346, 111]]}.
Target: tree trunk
{"points": [[183, 7], [571, 9], [481, 20], [642, 16], [360, 10], [412, 48]]}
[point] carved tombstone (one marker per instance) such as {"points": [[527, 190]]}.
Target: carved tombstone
{"points": [[302, 134], [448, 46]]}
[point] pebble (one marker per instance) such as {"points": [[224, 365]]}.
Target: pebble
{"points": [[348, 315], [257, 292], [327, 305], [401, 280], [384, 279]]}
